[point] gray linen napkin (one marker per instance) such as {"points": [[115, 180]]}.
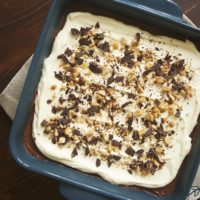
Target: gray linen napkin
{"points": [[10, 96]]}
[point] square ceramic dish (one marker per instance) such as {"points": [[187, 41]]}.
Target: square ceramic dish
{"points": [[76, 184]]}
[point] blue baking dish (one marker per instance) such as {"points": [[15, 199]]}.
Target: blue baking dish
{"points": [[75, 184]]}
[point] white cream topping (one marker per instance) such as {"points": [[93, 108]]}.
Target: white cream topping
{"points": [[180, 142]]}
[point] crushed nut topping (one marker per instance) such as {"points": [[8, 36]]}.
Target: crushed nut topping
{"points": [[99, 88]]}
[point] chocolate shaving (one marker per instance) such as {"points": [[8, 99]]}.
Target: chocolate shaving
{"points": [[130, 151], [98, 162], [93, 109], [61, 100], [49, 101], [95, 68]]}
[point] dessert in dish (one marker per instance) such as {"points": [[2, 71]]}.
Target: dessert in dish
{"points": [[116, 101]]}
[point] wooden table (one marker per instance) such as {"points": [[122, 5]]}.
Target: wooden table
{"points": [[20, 26]]}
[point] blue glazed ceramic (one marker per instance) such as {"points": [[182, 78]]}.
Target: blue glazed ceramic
{"points": [[74, 184]]}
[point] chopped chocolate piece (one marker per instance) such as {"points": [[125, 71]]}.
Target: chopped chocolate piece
{"points": [[116, 143], [110, 80], [87, 151], [105, 47], [74, 106], [64, 121], [91, 52], [178, 113], [60, 76], [44, 123], [130, 151], [94, 140], [148, 133], [160, 132], [97, 25], [75, 31], [153, 154], [61, 100], [140, 58], [130, 64], [65, 112], [49, 101], [81, 81], [64, 59], [85, 30], [56, 109], [99, 36], [129, 122], [167, 57], [79, 60], [98, 162], [74, 152], [71, 97], [129, 171], [126, 104], [157, 49], [68, 52], [95, 68], [157, 102], [127, 58], [156, 67], [137, 37], [131, 95], [76, 132], [135, 135], [175, 68], [119, 79], [176, 86], [93, 109], [85, 139], [84, 41], [115, 157], [139, 152], [61, 132], [109, 161], [110, 137], [54, 139]]}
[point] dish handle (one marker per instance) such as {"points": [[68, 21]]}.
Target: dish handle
{"points": [[166, 8], [71, 192]]}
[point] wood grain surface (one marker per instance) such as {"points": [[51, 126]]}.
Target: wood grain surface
{"points": [[20, 26]]}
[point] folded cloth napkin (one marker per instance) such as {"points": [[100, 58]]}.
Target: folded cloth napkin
{"points": [[10, 96]]}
